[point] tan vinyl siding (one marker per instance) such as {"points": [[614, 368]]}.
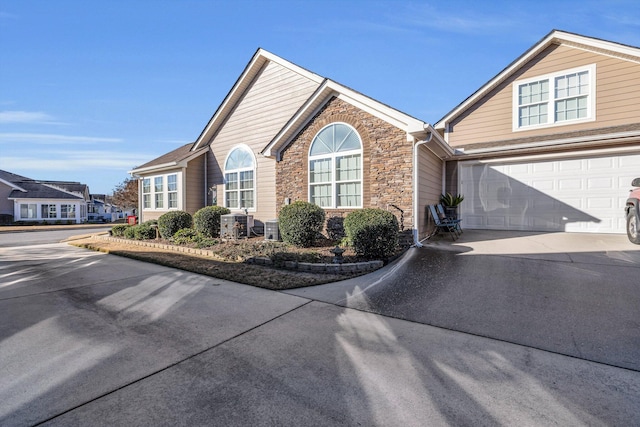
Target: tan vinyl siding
{"points": [[194, 185], [429, 186], [617, 91], [273, 98]]}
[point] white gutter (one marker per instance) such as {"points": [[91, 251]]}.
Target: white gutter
{"points": [[416, 223]]}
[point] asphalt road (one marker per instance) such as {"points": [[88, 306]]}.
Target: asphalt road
{"points": [[9, 239], [93, 339]]}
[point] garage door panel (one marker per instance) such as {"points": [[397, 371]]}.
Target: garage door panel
{"points": [[584, 195]]}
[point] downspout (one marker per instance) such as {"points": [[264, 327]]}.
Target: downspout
{"points": [[416, 222], [206, 183]]}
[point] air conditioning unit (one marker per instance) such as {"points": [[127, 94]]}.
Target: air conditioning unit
{"points": [[234, 226], [271, 231]]}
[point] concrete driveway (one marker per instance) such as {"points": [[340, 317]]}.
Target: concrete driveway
{"points": [[568, 293], [93, 339]]}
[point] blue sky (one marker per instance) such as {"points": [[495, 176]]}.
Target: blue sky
{"points": [[91, 89]]}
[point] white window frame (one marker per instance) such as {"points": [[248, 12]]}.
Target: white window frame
{"points": [[551, 101], [332, 157], [150, 198], [238, 172], [31, 207]]}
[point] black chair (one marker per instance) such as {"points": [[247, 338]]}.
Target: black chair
{"points": [[443, 225]]}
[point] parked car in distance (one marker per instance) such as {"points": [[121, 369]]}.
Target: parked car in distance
{"points": [[632, 212]]}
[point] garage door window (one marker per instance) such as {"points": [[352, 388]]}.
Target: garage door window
{"points": [[554, 99]]}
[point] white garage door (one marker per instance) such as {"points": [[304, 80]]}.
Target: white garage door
{"points": [[576, 195]]}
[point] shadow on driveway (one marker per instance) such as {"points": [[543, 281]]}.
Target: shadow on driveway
{"points": [[527, 289]]}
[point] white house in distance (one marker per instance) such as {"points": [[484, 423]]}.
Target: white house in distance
{"points": [[27, 200]]}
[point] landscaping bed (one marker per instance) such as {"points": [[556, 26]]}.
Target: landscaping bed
{"points": [[235, 260]]}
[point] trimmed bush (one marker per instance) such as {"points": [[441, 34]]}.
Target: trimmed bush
{"points": [[185, 236], [170, 222], [118, 230], [207, 220], [373, 233], [130, 232], [300, 223], [144, 231]]}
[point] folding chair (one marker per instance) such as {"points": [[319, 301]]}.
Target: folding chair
{"points": [[442, 225], [443, 216]]}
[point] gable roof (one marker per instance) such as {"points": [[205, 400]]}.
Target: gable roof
{"points": [[322, 95], [618, 50], [176, 158], [258, 61], [39, 190]]}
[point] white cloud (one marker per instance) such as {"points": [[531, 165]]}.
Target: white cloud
{"points": [[74, 161], [34, 117], [43, 138]]}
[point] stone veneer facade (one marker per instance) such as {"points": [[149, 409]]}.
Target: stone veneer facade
{"points": [[387, 161]]}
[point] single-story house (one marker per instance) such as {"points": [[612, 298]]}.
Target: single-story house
{"points": [[29, 200], [552, 142], [549, 144], [284, 134]]}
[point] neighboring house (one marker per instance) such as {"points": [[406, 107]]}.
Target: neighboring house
{"points": [[284, 134], [29, 200], [99, 209], [552, 142]]}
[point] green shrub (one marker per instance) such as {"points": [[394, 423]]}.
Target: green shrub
{"points": [[373, 233], [118, 230], [130, 232], [144, 231], [207, 220], [300, 223], [170, 222], [185, 236]]}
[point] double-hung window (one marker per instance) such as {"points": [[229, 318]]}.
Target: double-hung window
{"points": [[158, 189], [47, 211], [335, 167], [146, 193], [172, 191], [554, 99], [239, 179], [67, 211]]}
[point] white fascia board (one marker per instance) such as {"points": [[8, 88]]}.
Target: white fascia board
{"points": [[258, 61], [154, 168], [553, 37]]}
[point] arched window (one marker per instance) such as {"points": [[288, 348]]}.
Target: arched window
{"points": [[335, 167], [239, 181]]}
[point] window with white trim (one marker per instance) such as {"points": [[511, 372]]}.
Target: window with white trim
{"points": [[555, 99], [146, 193], [47, 211], [67, 211], [335, 167], [28, 210], [158, 190], [172, 191], [239, 181], [161, 192]]}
